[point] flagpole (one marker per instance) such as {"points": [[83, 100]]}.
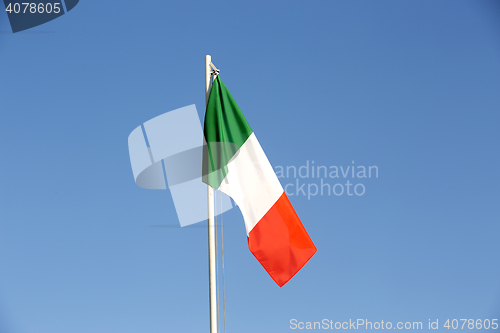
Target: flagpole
{"points": [[211, 224]]}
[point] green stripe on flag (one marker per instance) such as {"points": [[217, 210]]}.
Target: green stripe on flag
{"points": [[226, 130]]}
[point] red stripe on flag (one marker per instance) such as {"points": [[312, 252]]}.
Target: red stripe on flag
{"points": [[280, 242]]}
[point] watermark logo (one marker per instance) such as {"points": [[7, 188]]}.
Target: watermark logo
{"points": [[25, 15], [168, 150]]}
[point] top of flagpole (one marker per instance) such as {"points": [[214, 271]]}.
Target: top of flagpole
{"points": [[208, 61], [210, 70], [210, 65]]}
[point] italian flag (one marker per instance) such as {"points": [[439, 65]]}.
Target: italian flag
{"points": [[235, 164]]}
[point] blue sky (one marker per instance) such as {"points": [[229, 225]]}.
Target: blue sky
{"points": [[411, 87]]}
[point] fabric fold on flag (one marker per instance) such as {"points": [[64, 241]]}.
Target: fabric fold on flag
{"points": [[235, 164]]}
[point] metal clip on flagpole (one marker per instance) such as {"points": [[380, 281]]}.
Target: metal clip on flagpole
{"points": [[214, 71], [211, 215]]}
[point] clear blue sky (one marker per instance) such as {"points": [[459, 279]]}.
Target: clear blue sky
{"points": [[412, 87]]}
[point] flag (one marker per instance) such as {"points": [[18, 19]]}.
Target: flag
{"points": [[235, 164]]}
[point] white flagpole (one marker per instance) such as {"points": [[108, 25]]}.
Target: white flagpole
{"points": [[211, 224]]}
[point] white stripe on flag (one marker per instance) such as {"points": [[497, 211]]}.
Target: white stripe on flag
{"points": [[251, 182]]}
